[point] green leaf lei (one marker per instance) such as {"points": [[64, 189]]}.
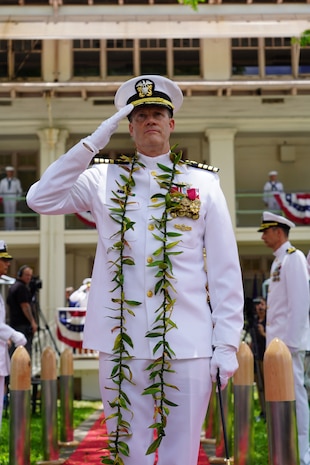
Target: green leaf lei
{"points": [[163, 323]]}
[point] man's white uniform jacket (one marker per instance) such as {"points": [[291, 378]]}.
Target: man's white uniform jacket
{"points": [[68, 187], [288, 298]]}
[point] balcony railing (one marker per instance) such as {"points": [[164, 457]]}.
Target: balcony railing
{"points": [[249, 209]]}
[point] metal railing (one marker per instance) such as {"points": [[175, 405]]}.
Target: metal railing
{"points": [[249, 209]]}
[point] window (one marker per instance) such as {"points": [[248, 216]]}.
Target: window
{"points": [[153, 56], [265, 57], [3, 58], [304, 60], [120, 57], [26, 58], [278, 56], [86, 58], [245, 56], [127, 57], [186, 54]]}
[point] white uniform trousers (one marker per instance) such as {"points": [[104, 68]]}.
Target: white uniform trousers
{"points": [[302, 407], [181, 444], [9, 208]]}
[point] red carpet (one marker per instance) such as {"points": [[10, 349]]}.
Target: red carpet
{"points": [[90, 449]]}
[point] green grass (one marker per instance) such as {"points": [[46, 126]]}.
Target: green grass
{"points": [[260, 443], [81, 411]]}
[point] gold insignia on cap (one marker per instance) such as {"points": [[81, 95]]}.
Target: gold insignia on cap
{"points": [[145, 88]]}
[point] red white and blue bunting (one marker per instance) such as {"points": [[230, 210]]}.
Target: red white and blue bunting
{"points": [[296, 207], [70, 326]]}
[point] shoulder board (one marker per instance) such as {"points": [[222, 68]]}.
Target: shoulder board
{"points": [[290, 250], [202, 166], [108, 161]]}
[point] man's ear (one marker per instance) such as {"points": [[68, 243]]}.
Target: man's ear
{"points": [[130, 127]]}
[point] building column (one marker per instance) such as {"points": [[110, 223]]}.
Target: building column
{"points": [[221, 154], [52, 229]]}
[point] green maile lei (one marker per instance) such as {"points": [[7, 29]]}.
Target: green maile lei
{"points": [[169, 199]]}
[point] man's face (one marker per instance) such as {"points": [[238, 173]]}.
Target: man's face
{"points": [[26, 275], [150, 127], [4, 265], [261, 308], [272, 238]]}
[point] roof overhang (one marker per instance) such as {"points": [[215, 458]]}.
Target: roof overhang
{"points": [[154, 21]]}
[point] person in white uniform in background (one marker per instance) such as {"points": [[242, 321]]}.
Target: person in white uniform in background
{"points": [[79, 298], [147, 311], [7, 334], [10, 190], [271, 187], [288, 311]]}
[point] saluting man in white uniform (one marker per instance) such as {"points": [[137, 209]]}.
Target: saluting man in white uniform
{"points": [[79, 298], [288, 311], [147, 311]]}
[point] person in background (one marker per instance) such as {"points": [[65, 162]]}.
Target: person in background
{"points": [[79, 298], [68, 292], [10, 190], [8, 335], [259, 341], [147, 311], [288, 311], [19, 301], [270, 188]]}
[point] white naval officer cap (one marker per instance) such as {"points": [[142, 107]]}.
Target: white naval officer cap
{"points": [[149, 90], [9, 168], [273, 173], [270, 220]]}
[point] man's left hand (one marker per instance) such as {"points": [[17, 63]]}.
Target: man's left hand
{"points": [[225, 361]]}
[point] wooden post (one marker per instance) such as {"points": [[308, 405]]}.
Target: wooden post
{"points": [[243, 406], [49, 408], [20, 398], [280, 405]]}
